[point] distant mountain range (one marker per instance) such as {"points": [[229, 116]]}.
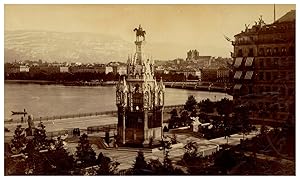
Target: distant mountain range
{"points": [[61, 47]]}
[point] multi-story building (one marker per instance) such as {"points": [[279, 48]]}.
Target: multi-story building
{"points": [[91, 69], [209, 75], [264, 70], [44, 69], [120, 69], [223, 75], [188, 71], [63, 69], [108, 69], [16, 69]]}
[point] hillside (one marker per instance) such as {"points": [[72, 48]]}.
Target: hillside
{"points": [[69, 47]]}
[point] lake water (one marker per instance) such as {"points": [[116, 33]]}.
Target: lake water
{"points": [[50, 100]]}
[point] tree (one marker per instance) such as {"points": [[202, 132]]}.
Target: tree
{"points": [[107, 166], [225, 160], [190, 103], [242, 115], [225, 106], [85, 154], [37, 162], [62, 162], [206, 106], [165, 168], [194, 113], [174, 118], [185, 118], [140, 164], [100, 158], [18, 143], [40, 137], [174, 114]]}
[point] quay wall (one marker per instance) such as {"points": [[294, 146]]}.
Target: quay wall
{"points": [[167, 109]]}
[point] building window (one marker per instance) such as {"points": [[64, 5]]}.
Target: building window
{"points": [[268, 76], [261, 52], [250, 90], [274, 88], [261, 89], [282, 61], [260, 105], [240, 53], [268, 51], [268, 62], [261, 76], [261, 63], [275, 75], [282, 91], [291, 91], [282, 75], [137, 101], [275, 62], [250, 54], [283, 51], [275, 51], [291, 76]]}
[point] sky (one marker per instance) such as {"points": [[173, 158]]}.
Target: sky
{"points": [[185, 27]]}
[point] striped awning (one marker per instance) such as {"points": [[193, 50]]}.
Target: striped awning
{"points": [[238, 74], [238, 62], [249, 75], [237, 86], [249, 61]]}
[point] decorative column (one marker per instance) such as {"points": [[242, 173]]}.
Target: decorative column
{"points": [[146, 139], [124, 127]]}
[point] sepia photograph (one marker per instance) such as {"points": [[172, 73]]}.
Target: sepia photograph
{"points": [[149, 89]]}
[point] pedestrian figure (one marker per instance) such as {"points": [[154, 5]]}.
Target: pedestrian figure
{"points": [[22, 119]]}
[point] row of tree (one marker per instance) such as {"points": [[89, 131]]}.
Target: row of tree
{"points": [[224, 106], [227, 121]]}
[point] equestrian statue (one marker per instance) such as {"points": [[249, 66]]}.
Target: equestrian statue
{"points": [[140, 32]]}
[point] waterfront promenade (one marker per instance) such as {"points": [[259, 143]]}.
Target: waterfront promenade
{"points": [[64, 123], [167, 109], [126, 157]]}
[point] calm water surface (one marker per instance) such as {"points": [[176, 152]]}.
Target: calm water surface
{"points": [[50, 100]]}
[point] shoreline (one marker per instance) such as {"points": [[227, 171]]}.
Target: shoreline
{"points": [[30, 82], [113, 83], [65, 83]]}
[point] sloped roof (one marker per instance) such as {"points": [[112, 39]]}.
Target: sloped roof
{"points": [[288, 17]]}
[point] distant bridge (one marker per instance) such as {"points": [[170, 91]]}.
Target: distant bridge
{"points": [[202, 86]]}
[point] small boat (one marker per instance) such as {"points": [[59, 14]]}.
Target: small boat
{"points": [[15, 113]]}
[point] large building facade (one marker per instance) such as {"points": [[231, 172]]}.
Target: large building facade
{"points": [[140, 100], [264, 70]]}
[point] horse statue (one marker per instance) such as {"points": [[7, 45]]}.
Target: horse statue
{"points": [[140, 32]]}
